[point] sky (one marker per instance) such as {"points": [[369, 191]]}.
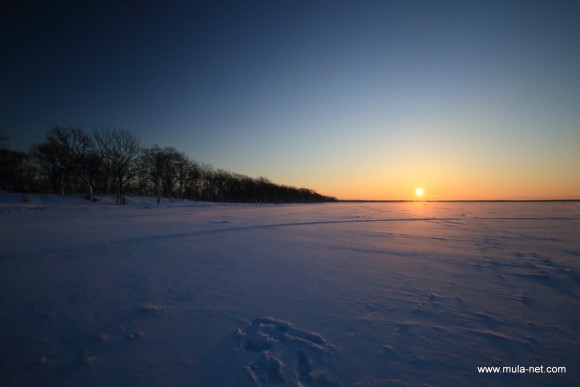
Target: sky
{"points": [[354, 99]]}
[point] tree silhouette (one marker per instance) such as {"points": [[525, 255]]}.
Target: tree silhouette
{"points": [[70, 160], [119, 150], [82, 154], [13, 167], [55, 161]]}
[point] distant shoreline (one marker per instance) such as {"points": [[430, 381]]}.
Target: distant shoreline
{"points": [[462, 201]]}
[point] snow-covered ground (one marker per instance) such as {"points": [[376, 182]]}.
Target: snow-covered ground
{"points": [[342, 294]]}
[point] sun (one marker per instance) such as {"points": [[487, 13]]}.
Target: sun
{"points": [[419, 191]]}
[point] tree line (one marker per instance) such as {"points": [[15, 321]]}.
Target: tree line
{"points": [[113, 161]]}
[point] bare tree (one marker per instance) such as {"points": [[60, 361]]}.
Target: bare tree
{"points": [[206, 182], [183, 167], [164, 167], [13, 165], [54, 161], [170, 160], [119, 150], [194, 180], [153, 161], [85, 160]]}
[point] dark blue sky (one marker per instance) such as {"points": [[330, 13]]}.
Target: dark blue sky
{"points": [[352, 98]]}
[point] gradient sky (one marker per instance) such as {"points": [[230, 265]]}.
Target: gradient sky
{"points": [[355, 99]]}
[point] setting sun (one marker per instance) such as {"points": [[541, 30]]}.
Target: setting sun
{"points": [[419, 191]]}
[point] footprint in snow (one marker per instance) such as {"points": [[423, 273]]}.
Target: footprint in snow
{"points": [[286, 355]]}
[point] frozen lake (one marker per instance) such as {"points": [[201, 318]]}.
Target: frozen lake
{"points": [[342, 294]]}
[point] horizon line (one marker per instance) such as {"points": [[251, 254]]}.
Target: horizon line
{"points": [[455, 200]]}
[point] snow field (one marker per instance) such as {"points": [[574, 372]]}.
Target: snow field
{"points": [[341, 294]]}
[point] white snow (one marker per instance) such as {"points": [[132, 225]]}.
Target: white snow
{"points": [[363, 294]]}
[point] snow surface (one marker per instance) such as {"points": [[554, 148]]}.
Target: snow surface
{"points": [[341, 294]]}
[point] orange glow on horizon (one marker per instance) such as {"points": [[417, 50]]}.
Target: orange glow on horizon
{"points": [[468, 189], [443, 181]]}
